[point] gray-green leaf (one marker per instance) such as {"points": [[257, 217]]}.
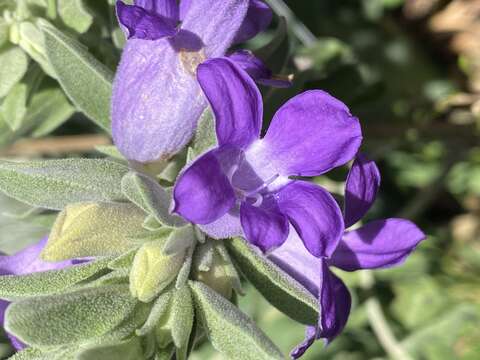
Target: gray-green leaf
{"points": [[53, 184], [13, 65], [48, 109], [75, 15], [205, 136], [231, 332], [69, 318], [14, 107], [47, 282], [182, 317], [78, 73], [151, 197], [130, 349], [280, 289]]}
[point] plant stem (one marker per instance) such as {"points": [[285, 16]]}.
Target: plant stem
{"points": [[298, 28], [52, 9], [379, 323]]}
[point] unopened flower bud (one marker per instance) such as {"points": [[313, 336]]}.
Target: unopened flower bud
{"points": [[153, 270], [93, 229]]}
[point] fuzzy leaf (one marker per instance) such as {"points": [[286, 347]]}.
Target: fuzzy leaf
{"points": [[13, 65], [147, 194], [14, 107], [130, 349], [92, 230], [180, 240], [37, 354], [110, 150], [230, 331], [75, 15], [182, 317], [69, 318], [159, 309], [78, 73], [4, 32], [280, 289], [53, 184], [32, 41], [205, 136], [124, 261], [48, 110], [47, 282]]}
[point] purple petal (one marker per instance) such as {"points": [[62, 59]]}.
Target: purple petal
{"points": [[259, 16], [143, 24], [215, 22], [311, 134], [156, 102], [257, 69], [235, 100], [310, 337], [314, 214], [165, 8], [203, 192], [294, 259], [335, 302], [361, 189], [225, 227], [184, 6], [28, 261], [379, 244], [264, 226], [313, 273]]}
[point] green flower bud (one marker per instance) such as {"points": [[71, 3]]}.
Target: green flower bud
{"points": [[94, 229], [153, 270], [218, 275]]}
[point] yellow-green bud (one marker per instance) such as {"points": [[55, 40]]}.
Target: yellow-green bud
{"points": [[93, 229], [153, 270], [217, 277]]}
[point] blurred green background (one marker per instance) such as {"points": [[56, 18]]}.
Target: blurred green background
{"points": [[409, 69]]}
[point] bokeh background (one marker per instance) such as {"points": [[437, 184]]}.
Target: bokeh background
{"points": [[409, 69]]}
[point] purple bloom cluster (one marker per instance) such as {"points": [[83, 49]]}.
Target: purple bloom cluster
{"points": [[255, 187]]}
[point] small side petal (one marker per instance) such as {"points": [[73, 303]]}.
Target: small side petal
{"points": [[379, 244], [142, 24], [310, 337], [259, 16], [235, 100], [257, 69], [28, 261], [264, 226], [361, 189], [311, 134], [215, 22], [315, 215], [165, 8], [203, 192], [335, 302]]}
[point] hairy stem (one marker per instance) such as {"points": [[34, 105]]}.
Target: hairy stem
{"points": [[379, 323]]}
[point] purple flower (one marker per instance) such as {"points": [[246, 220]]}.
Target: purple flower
{"points": [[378, 244], [245, 186], [156, 100], [25, 262]]}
